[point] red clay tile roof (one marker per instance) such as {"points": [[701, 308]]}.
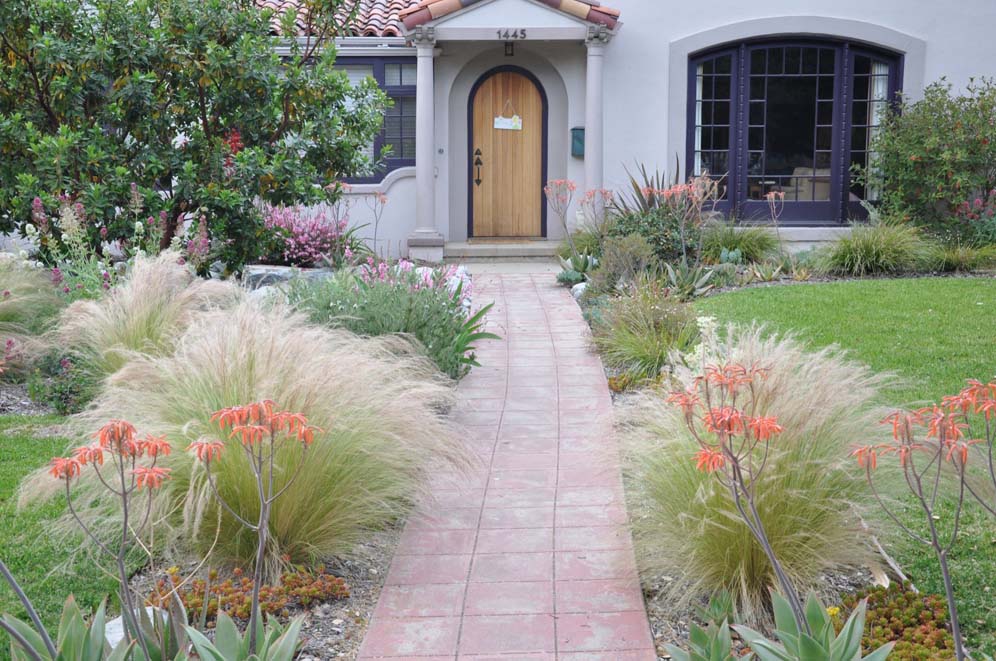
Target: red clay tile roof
{"points": [[586, 10], [389, 18], [374, 18]]}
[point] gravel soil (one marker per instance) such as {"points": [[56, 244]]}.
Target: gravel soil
{"points": [[14, 400]]}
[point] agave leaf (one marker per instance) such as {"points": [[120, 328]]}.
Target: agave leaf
{"points": [[678, 654], [847, 645], [71, 626], [810, 649], [881, 653], [205, 650], [32, 637], [94, 642], [226, 637], [784, 617], [286, 645]]}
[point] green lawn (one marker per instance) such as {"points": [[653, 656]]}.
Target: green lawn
{"points": [[932, 334], [49, 565]]}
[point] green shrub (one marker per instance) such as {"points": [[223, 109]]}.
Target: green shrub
{"points": [[877, 248], [381, 412], [144, 314], [937, 154], [685, 522], [636, 332], [586, 239], [964, 258], [756, 244], [669, 217], [570, 278], [62, 384], [434, 315], [918, 623], [623, 259]]}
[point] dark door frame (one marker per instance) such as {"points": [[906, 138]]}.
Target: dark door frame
{"points": [[470, 141]]}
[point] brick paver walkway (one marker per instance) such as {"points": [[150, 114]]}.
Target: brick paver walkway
{"points": [[530, 557]]}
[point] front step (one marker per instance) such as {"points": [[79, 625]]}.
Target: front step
{"points": [[500, 251]]}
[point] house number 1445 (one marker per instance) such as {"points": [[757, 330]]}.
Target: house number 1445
{"points": [[509, 34]]}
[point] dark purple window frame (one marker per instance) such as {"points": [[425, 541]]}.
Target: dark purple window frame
{"points": [[391, 163], [839, 209]]}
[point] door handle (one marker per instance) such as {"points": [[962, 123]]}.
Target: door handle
{"points": [[478, 164]]}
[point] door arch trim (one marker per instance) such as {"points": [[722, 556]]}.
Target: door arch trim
{"points": [[506, 68]]}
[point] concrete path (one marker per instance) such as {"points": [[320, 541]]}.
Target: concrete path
{"points": [[530, 558]]}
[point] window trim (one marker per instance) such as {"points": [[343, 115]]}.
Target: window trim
{"points": [[839, 210], [378, 63]]}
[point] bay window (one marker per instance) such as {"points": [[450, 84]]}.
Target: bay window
{"points": [[791, 118]]}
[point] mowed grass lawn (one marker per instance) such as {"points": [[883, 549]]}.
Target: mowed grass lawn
{"points": [[48, 563], [932, 334]]}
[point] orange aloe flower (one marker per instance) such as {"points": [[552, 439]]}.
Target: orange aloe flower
{"points": [[687, 399], [116, 435], [867, 455], [250, 434], [155, 446], [150, 478], [764, 427], [64, 468], [725, 420], [207, 450], [89, 454], [709, 460], [959, 449], [904, 451]]}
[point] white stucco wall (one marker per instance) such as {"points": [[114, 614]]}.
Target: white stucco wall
{"points": [[646, 64], [645, 91]]}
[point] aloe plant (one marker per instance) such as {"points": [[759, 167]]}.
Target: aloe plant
{"points": [[273, 642], [711, 644], [821, 644]]}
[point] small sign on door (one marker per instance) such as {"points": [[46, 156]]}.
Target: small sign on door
{"points": [[513, 123]]}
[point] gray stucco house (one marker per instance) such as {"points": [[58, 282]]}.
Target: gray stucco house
{"points": [[495, 97]]}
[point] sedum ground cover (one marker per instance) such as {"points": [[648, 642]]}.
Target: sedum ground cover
{"points": [[932, 333]]}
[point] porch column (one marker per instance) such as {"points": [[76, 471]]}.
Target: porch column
{"points": [[426, 242], [594, 168]]}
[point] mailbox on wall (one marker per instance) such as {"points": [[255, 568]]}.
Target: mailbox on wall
{"points": [[577, 142]]}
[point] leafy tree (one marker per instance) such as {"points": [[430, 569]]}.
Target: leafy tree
{"points": [[195, 101], [936, 157]]}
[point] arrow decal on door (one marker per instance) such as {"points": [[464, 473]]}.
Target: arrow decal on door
{"points": [[478, 163]]}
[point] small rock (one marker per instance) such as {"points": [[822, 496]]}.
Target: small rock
{"points": [[577, 291]]}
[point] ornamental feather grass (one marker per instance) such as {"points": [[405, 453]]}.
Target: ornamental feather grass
{"points": [[808, 496], [380, 406], [145, 314], [637, 332], [756, 243], [29, 304]]}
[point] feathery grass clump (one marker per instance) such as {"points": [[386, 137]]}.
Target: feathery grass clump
{"points": [[686, 524], [381, 412], [754, 242], [878, 248], [29, 303], [145, 314], [636, 332]]}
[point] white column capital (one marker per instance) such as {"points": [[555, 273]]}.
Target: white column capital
{"points": [[598, 37], [424, 38]]}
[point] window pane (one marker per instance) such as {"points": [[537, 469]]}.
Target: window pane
{"points": [[356, 73], [758, 62], [712, 114]]}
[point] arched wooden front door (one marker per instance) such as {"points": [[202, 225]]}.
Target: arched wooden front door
{"points": [[507, 155]]}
